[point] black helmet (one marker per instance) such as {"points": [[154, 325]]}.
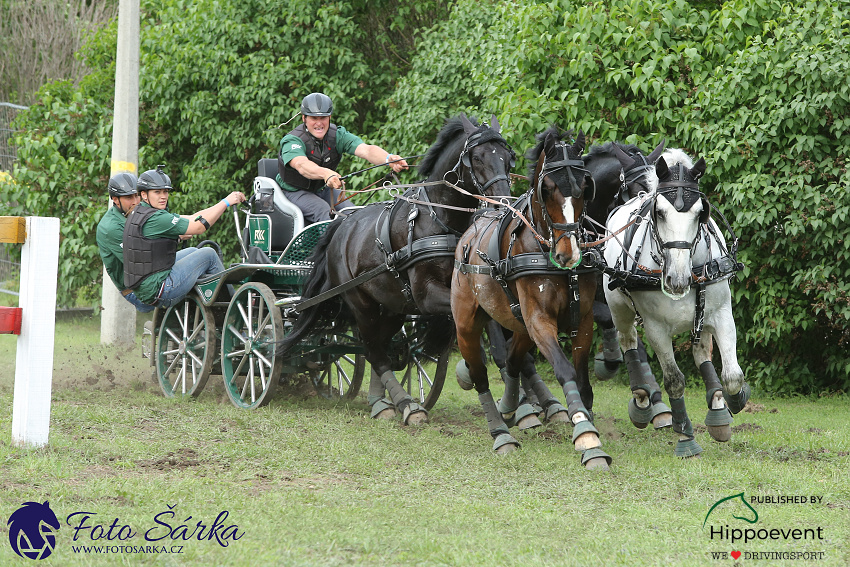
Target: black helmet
{"points": [[122, 185], [154, 179], [317, 104]]}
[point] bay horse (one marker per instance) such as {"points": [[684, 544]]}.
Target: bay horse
{"points": [[672, 268], [414, 236], [520, 272], [620, 172]]}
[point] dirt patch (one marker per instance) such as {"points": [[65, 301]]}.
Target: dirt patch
{"points": [[753, 408], [180, 460], [747, 427]]}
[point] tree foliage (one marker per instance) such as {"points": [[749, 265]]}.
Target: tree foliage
{"points": [[757, 87]]}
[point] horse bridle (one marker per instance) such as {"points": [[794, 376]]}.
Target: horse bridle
{"points": [[477, 139], [568, 229], [634, 174], [680, 186]]}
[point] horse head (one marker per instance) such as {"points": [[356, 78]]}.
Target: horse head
{"points": [[560, 185], [486, 159], [676, 218], [638, 170]]}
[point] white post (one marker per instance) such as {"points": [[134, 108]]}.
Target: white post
{"points": [[118, 319], [34, 362]]}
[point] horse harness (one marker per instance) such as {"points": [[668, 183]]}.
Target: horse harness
{"points": [[510, 267], [639, 277]]}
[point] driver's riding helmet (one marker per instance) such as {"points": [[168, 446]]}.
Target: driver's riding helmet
{"points": [[122, 185], [154, 179], [317, 104]]}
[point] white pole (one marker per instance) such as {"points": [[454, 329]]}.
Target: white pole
{"points": [[34, 362], [118, 319]]}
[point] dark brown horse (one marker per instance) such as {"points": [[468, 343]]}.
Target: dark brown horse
{"points": [[415, 237], [523, 276]]}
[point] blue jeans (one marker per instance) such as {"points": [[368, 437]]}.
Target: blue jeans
{"points": [[144, 307], [185, 272]]}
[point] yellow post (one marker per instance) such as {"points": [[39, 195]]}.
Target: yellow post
{"points": [[13, 230]]}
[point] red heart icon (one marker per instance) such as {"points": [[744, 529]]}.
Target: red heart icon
{"points": [[735, 554]]}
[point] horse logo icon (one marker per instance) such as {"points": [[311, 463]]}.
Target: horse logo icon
{"points": [[32, 530], [740, 495]]}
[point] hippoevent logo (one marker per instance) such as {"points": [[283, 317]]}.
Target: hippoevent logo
{"points": [[33, 527], [32, 530], [741, 529]]}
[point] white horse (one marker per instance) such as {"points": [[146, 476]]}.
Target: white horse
{"points": [[671, 267]]}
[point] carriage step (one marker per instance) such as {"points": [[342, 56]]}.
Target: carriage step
{"points": [[147, 339]]}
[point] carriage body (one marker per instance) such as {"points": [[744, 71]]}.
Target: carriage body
{"points": [[251, 306]]}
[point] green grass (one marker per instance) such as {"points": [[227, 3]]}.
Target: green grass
{"points": [[311, 483]]}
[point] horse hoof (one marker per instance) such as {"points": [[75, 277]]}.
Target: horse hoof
{"points": [[639, 425], [388, 413], [559, 417], [529, 422], [504, 444], [463, 378], [662, 420], [721, 433], [597, 464], [588, 440], [414, 415]]}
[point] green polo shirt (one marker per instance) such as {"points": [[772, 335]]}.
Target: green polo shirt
{"points": [[110, 233], [161, 224], [291, 146]]}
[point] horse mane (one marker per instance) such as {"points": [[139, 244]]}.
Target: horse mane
{"points": [[448, 137], [533, 154], [674, 155], [607, 149]]}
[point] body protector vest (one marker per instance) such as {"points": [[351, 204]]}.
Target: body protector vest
{"points": [[145, 256], [321, 152]]}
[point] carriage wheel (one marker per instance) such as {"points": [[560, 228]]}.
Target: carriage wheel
{"points": [[340, 378], [185, 348], [424, 374], [249, 365]]}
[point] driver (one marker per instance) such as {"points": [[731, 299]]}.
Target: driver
{"points": [[310, 154], [159, 276]]}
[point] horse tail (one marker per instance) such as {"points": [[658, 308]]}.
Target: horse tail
{"points": [[439, 334], [318, 282]]}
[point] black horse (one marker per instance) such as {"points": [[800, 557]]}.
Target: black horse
{"points": [[414, 236], [620, 172]]}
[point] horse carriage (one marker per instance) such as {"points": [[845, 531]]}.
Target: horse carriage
{"points": [[232, 322], [394, 283]]}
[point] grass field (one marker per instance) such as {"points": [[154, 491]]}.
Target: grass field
{"points": [[305, 482]]}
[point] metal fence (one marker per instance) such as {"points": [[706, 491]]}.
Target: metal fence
{"points": [[8, 111], [10, 273]]}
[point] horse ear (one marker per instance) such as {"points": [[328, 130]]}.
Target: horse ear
{"points": [[698, 169], [626, 161], [549, 142], [656, 153], [578, 147], [661, 169], [494, 123], [468, 126]]}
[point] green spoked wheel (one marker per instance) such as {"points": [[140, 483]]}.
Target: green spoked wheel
{"points": [[424, 374], [340, 378], [249, 365], [185, 348]]}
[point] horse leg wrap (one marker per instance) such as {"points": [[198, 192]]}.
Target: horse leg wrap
{"points": [[381, 407], [737, 402], [463, 378], [687, 445], [510, 399], [718, 413], [522, 415], [637, 380], [549, 402], [607, 363], [400, 398], [495, 424]]}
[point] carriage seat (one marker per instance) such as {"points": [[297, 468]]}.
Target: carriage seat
{"points": [[287, 219]]}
